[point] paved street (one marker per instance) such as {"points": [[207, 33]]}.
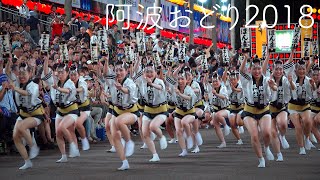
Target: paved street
{"points": [[233, 162]]}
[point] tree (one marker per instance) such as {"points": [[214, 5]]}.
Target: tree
{"points": [[68, 10]]}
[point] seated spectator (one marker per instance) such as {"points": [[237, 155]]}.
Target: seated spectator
{"points": [[15, 40], [8, 110], [83, 34]]}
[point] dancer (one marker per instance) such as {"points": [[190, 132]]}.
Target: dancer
{"points": [[256, 111], [315, 104], [124, 98], [31, 112], [236, 102], [199, 106], [171, 106], [63, 95], [155, 110], [138, 79], [218, 95], [299, 107], [278, 106], [189, 124], [184, 98], [108, 118], [83, 106]]}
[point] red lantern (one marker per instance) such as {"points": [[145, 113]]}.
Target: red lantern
{"points": [[16, 3], [30, 5], [103, 21], [4, 2], [40, 7], [76, 13], [81, 15], [96, 18]]}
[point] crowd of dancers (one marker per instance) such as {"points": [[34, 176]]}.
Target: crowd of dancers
{"points": [[176, 94]]}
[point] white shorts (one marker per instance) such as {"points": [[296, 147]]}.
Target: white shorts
{"points": [[87, 113], [162, 116], [313, 114], [37, 120], [73, 116], [296, 112]]}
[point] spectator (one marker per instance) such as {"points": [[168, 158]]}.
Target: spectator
{"points": [[35, 11], [52, 14], [24, 9], [91, 22], [15, 40], [34, 24], [8, 110], [27, 35], [66, 33], [213, 66], [20, 28], [114, 32], [84, 35], [26, 47], [97, 111], [149, 44], [56, 26], [84, 23], [159, 48]]}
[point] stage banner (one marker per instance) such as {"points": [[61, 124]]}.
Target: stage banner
{"points": [[305, 33]]}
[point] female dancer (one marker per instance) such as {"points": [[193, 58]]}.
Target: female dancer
{"points": [[315, 103], [236, 102], [155, 110], [188, 123], [199, 106], [278, 106], [63, 95], [171, 106], [83, 106], [299, 107], [184, 98], [256, 110], [124, 98], [218, 95], [108, 118], [31, 112], [138, 79]]}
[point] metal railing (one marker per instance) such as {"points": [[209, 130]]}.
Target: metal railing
{"points": [[14, 16]]}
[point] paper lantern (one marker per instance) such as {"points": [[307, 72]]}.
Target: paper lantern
{"points": [[16, 3], [47, 9], [60, 10], [81, 15], [103, 21], [40, 7], [30, 5], [96, 18]]}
